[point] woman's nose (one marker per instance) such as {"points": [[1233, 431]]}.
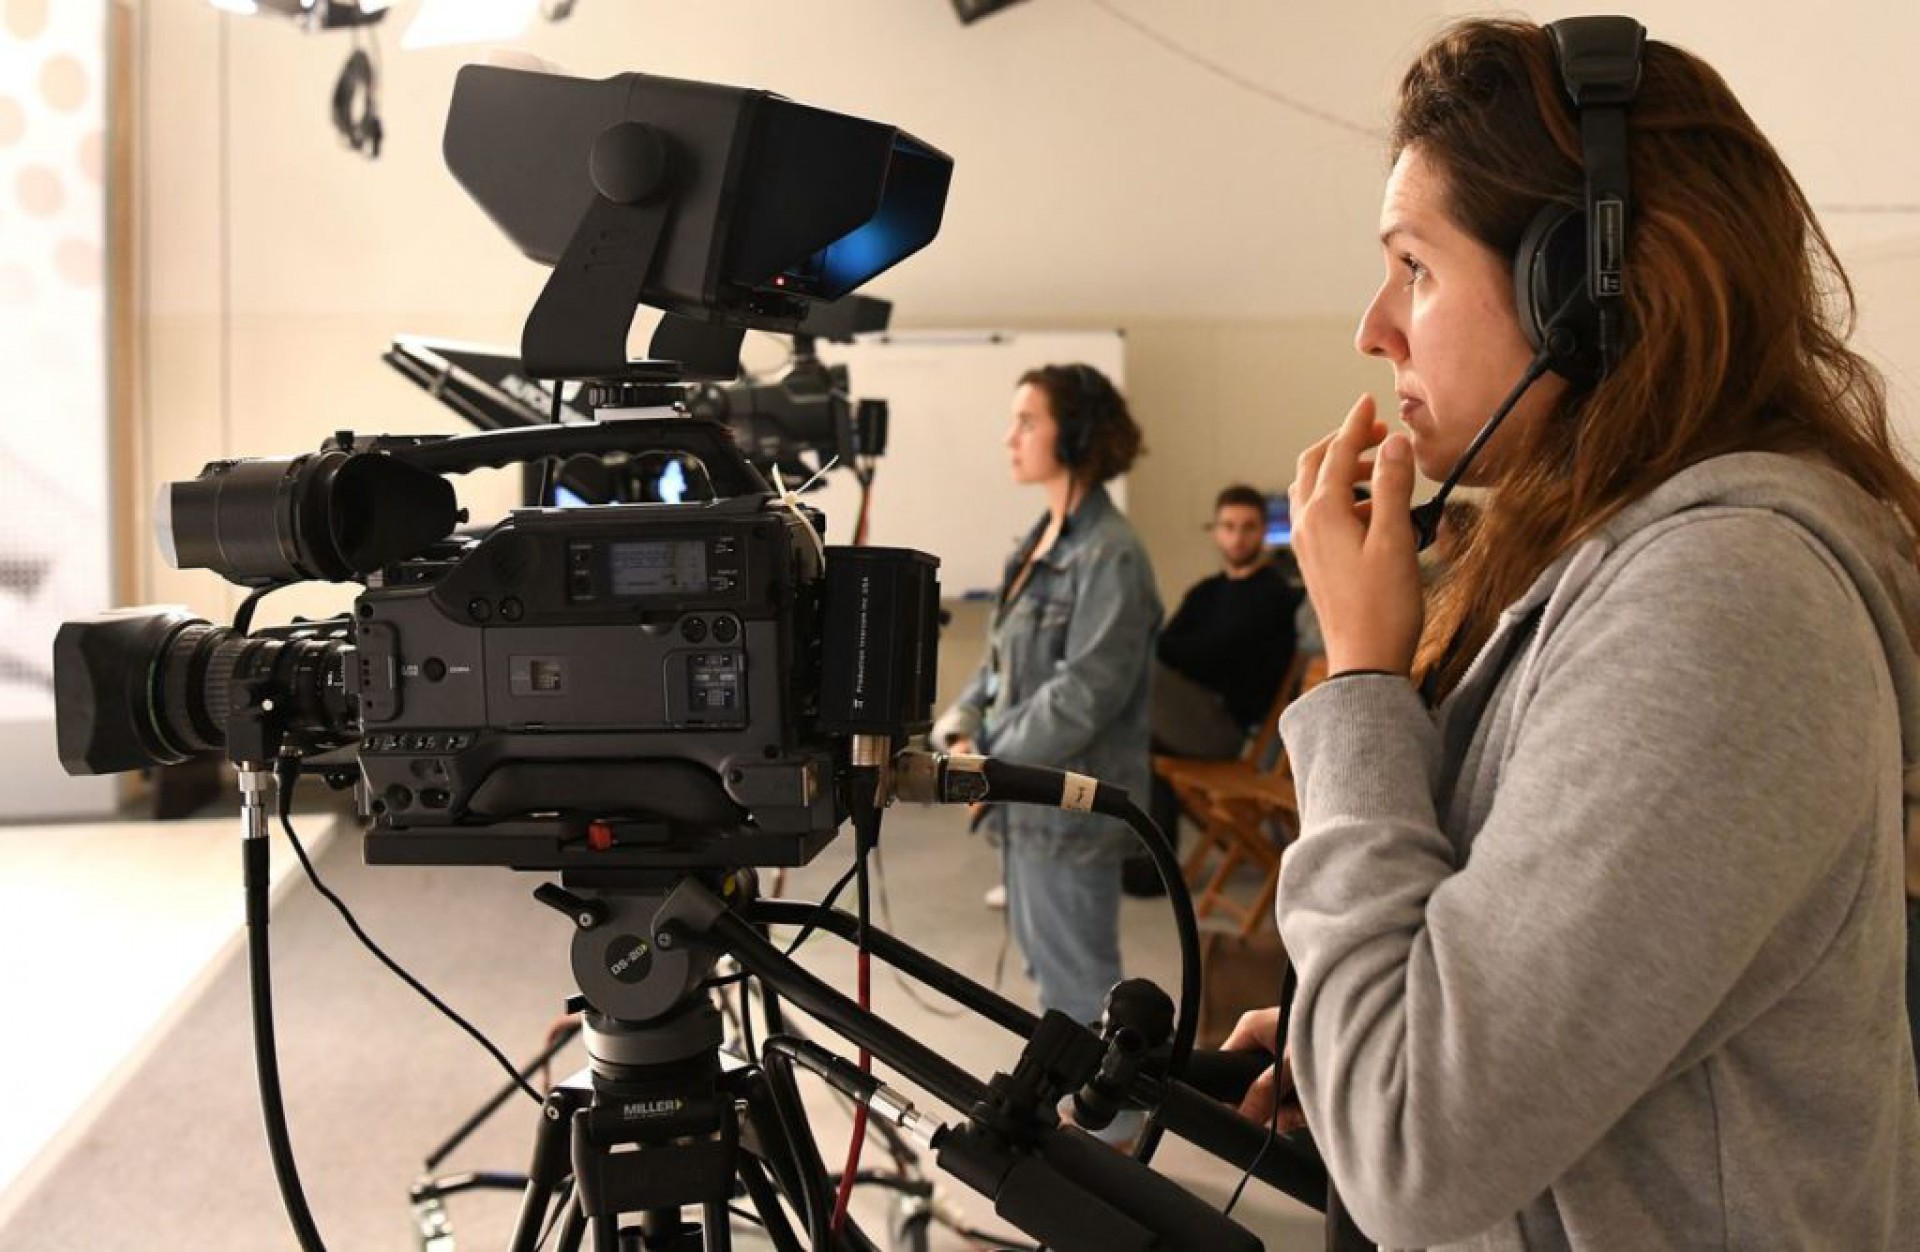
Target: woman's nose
{"points": [[1378, 334]]}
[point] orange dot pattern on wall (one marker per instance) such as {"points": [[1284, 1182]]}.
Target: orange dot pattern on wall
{"points": [[26, 18], [78, 262], [38, 191], [63, 81]]}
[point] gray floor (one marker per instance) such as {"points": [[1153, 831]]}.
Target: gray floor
{"points": [[374, 1078]]}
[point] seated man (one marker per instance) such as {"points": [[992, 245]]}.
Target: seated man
{"points": [[1221, 656]]}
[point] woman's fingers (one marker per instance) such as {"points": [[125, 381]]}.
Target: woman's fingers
{"points": [[1337, 466], [1390, 487], [1257, 1104], [1253, 1032]]}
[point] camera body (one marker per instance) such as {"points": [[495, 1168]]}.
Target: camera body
{"points": [[650, 686], [649, 669]]}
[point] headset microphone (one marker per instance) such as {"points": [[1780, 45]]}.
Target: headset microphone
{"points": [[1426, 517]]}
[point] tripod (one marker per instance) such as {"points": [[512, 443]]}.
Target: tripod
{"points": [[663, 1124], [660, 1123], [653, 1131]]}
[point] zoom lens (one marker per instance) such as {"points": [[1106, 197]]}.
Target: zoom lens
{"points": [[141, 687]]}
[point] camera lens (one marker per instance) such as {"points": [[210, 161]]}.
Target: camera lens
{"points": [[153, 687]]}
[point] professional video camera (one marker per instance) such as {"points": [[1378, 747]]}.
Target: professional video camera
{"points": [[809, 410], [649, 700], [665, 673]]}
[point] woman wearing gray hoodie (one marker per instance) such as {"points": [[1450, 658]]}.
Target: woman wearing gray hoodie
{"points": [[1597, 908]]}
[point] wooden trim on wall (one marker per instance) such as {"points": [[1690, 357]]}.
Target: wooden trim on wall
{"points": [[126, 328]]}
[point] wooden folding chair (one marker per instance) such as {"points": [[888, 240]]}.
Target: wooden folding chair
{"points": [[1246, 813]]}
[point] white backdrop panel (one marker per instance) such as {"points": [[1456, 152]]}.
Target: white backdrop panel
{"points": [[944, 485]]}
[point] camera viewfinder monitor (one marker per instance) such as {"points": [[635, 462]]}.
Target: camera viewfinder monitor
{"points": [[719, 205]]}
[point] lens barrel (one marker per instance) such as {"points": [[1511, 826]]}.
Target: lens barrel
{"points": [[141, 687]]}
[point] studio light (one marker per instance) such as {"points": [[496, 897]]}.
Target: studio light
{"points": [[443, 22], [312, 14]]}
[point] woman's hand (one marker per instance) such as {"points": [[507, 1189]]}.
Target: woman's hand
{"points": [[1358, 556], [1255, 1032]]}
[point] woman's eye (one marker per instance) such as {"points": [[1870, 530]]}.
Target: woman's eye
{"points": [[1415, 270]]}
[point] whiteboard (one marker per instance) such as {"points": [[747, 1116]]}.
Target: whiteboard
{"points": [[945, 484]]}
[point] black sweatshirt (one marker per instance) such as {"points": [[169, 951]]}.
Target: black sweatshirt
{"points": [[1236, 637]]}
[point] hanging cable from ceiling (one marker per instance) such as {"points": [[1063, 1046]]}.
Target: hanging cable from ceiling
{"points": [[1228, 74]]}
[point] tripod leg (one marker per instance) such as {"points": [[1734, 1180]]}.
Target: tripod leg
{"points": [[573, 1226], [766, 1202], [552, 1162], [716, 1227]]}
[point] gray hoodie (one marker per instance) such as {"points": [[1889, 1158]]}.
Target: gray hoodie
{"points": [[1608, 951]]}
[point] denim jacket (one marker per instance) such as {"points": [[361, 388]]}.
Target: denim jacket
{"points": [[1064, 682]]}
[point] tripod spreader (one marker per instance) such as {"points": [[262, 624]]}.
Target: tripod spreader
{"points": [[1191, 1108], [695, 913], [1032, 1178]]}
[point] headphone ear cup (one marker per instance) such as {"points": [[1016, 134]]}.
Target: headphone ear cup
{"points": [[1550, 294], [1071, 446]]}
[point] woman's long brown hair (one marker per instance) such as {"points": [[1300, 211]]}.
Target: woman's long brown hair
{"points": [[1736, 320]]}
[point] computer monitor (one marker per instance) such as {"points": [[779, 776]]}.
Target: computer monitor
{"points": [[1279, 520]]}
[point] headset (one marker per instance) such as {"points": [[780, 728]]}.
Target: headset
{"points": [[1569, 277], [1569, 273], [1074, 443]]}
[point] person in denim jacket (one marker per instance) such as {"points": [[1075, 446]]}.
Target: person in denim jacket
{"points": [[1064, 682]]}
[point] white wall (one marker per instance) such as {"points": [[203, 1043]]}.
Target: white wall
{"points": [[1100, 180]]}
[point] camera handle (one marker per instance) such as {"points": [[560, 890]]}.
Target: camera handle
{"points": [[709, 442]]}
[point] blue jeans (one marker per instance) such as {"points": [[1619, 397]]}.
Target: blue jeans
{"points": [[1066, 919]]}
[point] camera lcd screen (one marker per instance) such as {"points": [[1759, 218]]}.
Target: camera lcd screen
{"points": [[658, 567]]}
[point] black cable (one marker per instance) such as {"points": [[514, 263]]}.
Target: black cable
{"points": [[546, 462], [1233, 76], [1426, 517], [784, 1096], [1115, 803], [255, 855], [287, 777], [243, 616], [826, 904], [746, 1021], [564, 1036], [1284, 1003]]}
